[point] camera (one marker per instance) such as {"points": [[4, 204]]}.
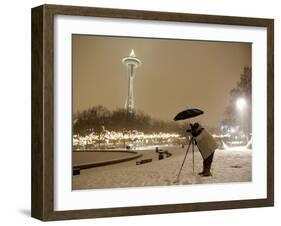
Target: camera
{"points": [[195, 129]]}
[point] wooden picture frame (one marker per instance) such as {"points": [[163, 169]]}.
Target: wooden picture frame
{"points": [[43, 112]]}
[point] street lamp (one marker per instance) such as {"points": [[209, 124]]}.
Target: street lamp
{"points": [[241, 104]]}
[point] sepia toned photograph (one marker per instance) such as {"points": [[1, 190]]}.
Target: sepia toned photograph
{"points": [[160, 112]]}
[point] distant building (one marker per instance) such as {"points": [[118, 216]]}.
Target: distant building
{"points": [[131, 62]]}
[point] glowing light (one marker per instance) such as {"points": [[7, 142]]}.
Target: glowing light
{"points": [[241, 103], [135, 137]]}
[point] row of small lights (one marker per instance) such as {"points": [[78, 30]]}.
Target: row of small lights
{"points": [[119, 136]]}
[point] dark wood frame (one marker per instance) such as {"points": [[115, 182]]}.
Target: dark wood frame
{"points": [[42, 203]]}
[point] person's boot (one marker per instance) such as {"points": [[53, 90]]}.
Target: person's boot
{"points": [[201, 173], [207, 173]]}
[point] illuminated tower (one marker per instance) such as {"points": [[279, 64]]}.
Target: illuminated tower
{"points": [[131, 62]]}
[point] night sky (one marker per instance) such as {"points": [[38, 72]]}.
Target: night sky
{"points": [[175, 74]]}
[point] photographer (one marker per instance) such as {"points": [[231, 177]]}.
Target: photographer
{"points": [[206, 145]]}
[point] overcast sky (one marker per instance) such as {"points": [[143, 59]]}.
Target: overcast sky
{"points": [[174, 75]]}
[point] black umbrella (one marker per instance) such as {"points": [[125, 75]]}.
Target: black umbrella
{"points": [[189, 113]]}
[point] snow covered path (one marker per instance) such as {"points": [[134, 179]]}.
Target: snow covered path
{"points": [[228, 166]]}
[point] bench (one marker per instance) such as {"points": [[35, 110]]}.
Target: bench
{"points": [[162, 153], [143, 161]]}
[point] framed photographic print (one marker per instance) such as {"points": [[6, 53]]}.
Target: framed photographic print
{"points": [[141, 112]]}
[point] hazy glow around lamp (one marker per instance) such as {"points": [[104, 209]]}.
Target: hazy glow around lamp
{"points": [[241, 103]]}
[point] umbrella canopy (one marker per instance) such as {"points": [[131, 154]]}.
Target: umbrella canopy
{"points": [[189, 113]]}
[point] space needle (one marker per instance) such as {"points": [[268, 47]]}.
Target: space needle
{"points": [[131, 62]]}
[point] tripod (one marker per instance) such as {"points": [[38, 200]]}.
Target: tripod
{"points": [[190, 143]]}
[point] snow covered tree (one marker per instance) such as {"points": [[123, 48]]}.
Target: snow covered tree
{"points": [[243, 89]]}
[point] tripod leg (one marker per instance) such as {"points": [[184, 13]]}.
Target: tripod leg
{"points": [[184, 157], [193, 155]]}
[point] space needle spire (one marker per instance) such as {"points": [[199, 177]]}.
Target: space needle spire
{"points": [[131, 62]]}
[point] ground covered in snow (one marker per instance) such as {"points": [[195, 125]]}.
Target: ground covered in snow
{"points": [[232, 165]]}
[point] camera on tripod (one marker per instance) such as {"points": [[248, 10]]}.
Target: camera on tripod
{"points": [[194, 129]]}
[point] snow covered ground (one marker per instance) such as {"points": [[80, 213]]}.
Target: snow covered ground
{"points": [[232, 165]]}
